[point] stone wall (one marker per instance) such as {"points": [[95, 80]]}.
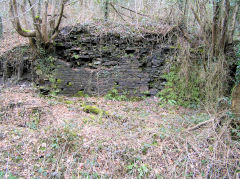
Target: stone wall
{"points": [[95, 62]]}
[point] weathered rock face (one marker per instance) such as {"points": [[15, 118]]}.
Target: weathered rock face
{"points": [[96, 62]]}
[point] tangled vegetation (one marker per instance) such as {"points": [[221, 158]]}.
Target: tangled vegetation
{"points": [[191, 129]]}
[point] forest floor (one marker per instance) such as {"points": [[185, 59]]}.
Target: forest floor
{"points": [[92, 137], [11, 40]]}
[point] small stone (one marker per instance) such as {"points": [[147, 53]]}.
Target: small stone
{"points": [[97, 63], [153, 91], [55, 174], [2, 136]]}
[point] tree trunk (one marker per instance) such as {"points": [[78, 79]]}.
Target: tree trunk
{"points": [[44, 24], [20, 70], [233, 25], [5, 71], [224, 29], [45, 29], [106, 10], [1, 27], [215, 28]]}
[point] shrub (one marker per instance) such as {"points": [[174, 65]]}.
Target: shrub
{"points": [[114, 95], [179, 90]]}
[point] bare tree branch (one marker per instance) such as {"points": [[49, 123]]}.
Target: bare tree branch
{"points": [[16, 22], [133, 11], [44, 22], [117, 11], [36, 21], [52, 19], [215, 28], [56, 29]]}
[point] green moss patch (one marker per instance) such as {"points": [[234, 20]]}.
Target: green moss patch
{"points": [[95, 110], [80, 94], [92, 109], [69, 102], [58, 81]]}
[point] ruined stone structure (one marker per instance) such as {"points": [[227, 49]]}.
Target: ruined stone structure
{"points": [[96, 62]]}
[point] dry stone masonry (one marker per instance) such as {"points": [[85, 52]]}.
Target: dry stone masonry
{"points": [[95, 62]]}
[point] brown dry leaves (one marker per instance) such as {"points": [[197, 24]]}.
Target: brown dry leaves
{"points": [[70, 142]]}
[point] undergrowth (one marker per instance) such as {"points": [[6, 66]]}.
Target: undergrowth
{"points": [[178, 91], [115, 95], [196, 78], [235, 119], [237, 76], [4, 175], [45, 71]]}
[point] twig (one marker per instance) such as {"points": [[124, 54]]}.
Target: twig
{"points": [[200, 125], [133, 11], [36, 107], [6, 174], [120, 15], [206, 122]]}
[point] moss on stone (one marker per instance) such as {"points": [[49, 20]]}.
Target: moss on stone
{"points": [[76, 56], [107, 113], [69, 84], [59, 81], [136, 98], [92, 109], [80, 94], [95, 110], [59, 44], [68, 102]]}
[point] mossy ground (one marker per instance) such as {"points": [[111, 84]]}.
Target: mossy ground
{"points": [[65, 137]]}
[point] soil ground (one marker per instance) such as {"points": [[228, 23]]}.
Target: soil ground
{"points": [[56, 137]]}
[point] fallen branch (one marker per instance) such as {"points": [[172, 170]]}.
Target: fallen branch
{"points": [[206, 122], [200, 125]]}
